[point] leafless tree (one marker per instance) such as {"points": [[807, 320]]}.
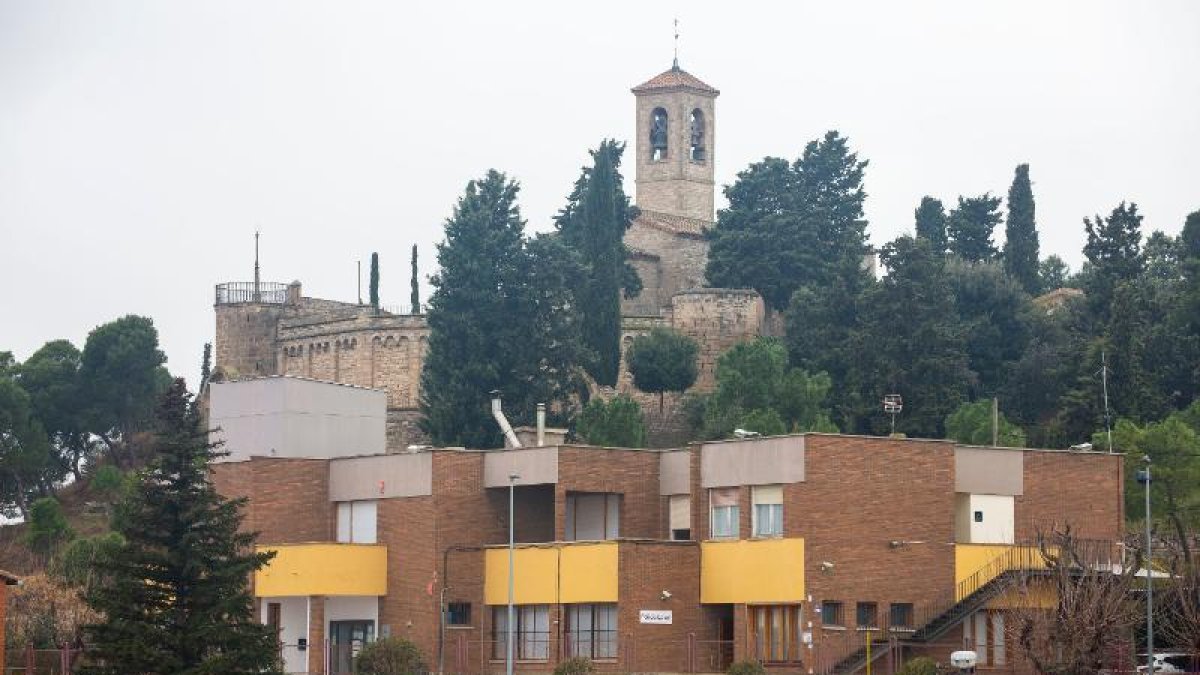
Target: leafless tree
{"points": [[1178, 605], [1075, 614]]}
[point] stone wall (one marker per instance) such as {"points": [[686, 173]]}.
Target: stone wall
{"points": [[717, 319], [676, 184], [675, 263], [245, 339]]}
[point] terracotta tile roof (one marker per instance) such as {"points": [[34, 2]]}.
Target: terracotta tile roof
{"points": [[675, 78], [672, 224]]}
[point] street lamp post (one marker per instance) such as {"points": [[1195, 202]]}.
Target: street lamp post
{"points": [[1143, 477], [509, 626]]}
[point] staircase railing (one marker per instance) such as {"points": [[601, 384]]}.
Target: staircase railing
{"points": [[932, 619]]}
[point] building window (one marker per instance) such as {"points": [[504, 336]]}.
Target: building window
{"points": [[776, 633], [900, 616], [725, 512], [532, 637], [768, 510], [867, 615], [592, 631], [356, 522], [458, 614], [680, 517], [593, 516], [831, 613]]}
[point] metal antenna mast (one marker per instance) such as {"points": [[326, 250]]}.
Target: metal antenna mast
{"points": [[675, 62], [1104, 381]]}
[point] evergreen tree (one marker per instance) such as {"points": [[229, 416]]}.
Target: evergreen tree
{"points": [[994, 312], [790, 225], [178, 600], [1186, 313], [1114, 250], [414, 298], [593, 224], [931, 223], [27, 470], [757, 390], [1053, 273], [56, 391], [1021, 235], [970, 226], [663, 361], [502, 316], [911, 343], [374, 287], [618, 423]]}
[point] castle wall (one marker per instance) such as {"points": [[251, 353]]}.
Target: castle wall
{"points": [[649, 301], [717, 318], [245, 338]]}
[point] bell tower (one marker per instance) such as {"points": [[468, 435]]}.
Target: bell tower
{"points": [[675, 144]]}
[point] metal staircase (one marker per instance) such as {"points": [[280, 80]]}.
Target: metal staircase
{"points": [[933, 620]]}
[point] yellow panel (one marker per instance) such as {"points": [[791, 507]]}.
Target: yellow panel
{"points": [[1039, 594], [323, 569], [763, 570], [534, 583], [589, 573], [984, 562]]}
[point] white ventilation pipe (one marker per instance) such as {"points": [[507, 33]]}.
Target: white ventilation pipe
{"points": [[509, 434], [541, 425]]}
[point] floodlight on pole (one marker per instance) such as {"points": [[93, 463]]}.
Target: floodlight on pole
{"points": [[509, 626], [1143, 477]]}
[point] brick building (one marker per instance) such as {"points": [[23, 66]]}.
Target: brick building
{"points": [[794, 550]]}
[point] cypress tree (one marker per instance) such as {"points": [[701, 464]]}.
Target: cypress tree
{"points": [[414, 297], [593, 224], [1021, 235], [931, 223], [970, 227], [375, 281], [205, 366], [502, 316], [178, 600]]}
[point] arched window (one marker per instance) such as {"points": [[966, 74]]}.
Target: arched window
{"points": [[658, 135], [697, 142]]}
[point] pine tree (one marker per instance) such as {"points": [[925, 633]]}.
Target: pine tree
{"points": [[178, 601], [374, 290], [970, 227], [1114, 250], [502, 316], [1021, 235], [414, 297], [931, 223], [663, 361], [593, 224], [790, 225]]}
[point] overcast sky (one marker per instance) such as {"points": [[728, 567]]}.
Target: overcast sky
{"points": [[142, 143]]}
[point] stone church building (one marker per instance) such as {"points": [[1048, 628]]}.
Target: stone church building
{"points": [[265, 328]]}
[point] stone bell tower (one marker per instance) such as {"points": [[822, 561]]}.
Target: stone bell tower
{"points": [[675, 145]]}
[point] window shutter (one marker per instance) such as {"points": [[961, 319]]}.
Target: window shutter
{"points": [[768, 494], [681, 512], [724, 497]]}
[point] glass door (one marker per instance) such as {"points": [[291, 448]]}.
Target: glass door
{"points": [[346, 639]]}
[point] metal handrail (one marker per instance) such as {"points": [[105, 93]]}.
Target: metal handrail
{"points": [[264, 292]]}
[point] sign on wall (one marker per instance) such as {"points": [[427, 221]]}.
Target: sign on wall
{"points": [[656, 616]]}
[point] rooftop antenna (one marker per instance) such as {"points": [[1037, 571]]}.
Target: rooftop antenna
{"points": [[1104, 381], [675, 62], [257, 287]]}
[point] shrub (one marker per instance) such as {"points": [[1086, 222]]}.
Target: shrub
{"points": [[617, 423], [576, 665], [747, 668], [390, 656], [922, 665], [108, 480], [47, 525]]}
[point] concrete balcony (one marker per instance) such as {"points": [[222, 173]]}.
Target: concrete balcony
{"points": [[323, 569]]}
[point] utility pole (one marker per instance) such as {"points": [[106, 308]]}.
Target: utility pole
{"points": [[257, 285], [1143, 477]]}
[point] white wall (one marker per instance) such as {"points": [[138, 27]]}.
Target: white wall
{"points": [[293, 614], [352, 608], [998, 513], [295, 417]]}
